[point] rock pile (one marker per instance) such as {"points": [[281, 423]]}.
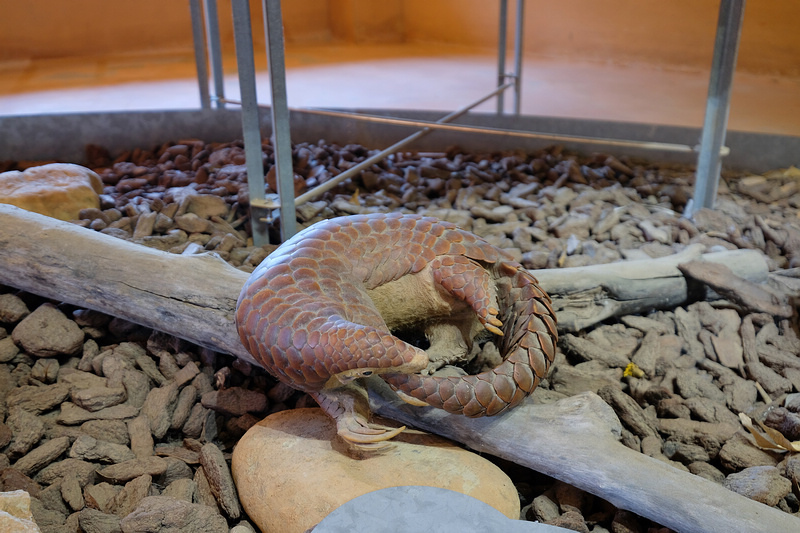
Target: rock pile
{"points": [[161, 415]]}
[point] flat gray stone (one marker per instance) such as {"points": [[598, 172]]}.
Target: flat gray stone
{"points": [[417, 508]]}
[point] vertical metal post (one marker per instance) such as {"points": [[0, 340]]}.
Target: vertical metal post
{"points": [[501, 54], [518, 35], [726, 47], [281, 139], [200, 59], [214, 51], [250, 119]]}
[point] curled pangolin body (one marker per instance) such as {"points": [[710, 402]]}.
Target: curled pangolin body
{"points": [[306, 313]]}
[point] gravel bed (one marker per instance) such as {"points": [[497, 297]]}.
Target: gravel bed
{"points": [[102, 416]]}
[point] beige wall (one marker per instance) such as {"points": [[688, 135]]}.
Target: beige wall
{"points": [[675, 32]]}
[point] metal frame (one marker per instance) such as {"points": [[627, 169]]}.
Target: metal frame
{"points": [[710, 150]]}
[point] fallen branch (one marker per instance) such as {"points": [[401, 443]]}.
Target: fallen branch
{"points": [[575, 440]]}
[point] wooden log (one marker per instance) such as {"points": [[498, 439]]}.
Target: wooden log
{"points": [[575, 440], [194, 297]]}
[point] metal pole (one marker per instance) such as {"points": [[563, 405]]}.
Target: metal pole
{"points": [[214, 51], [250, 120], [501, 54], [353, 171], [726, 47], [519, 32], [281, 138], [200, 58]]}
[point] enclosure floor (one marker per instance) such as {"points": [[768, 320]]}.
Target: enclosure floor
{"points": [[405, 77]]}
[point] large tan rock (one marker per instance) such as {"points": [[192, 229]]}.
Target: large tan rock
{"points": [[15, 513], [291, 472], [58, 190]]}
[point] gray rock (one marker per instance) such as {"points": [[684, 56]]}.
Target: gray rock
{"points": [[54, 473], [115, 431], [159, 406], [710, 436], [71, 414], [141, 437], [760, 483], [683, 452], [181, 489], [100, 496], [220, 479], [165, 514], [628, 411], [47, 332], [738, 453], [544, 508], [90, 449], [657, 353], [37, 399], [27, 430], [12, 308], [589, 376], [235, 401], [131, 494], [703, 469], [96, 398], [691, 383], [8, 350], [43, 455], [128, 470], [94, 521]]}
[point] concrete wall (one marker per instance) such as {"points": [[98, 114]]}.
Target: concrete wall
{"points": [[676, 33]]}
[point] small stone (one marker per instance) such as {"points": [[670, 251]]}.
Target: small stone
{"points": [[71, 414], [96, 398], [183, 407], [657, 352], [181, 489], [302, 473], [123, 472], [691, 383], [588, 376], [163, 513], [158, 407], [42, 456], [235, 401], [739, 453], [12, 308], [137, 386], [176, 469], [27, 429], [544, 508], [94, 521], [140, 436], [571, 520], [626, 522], [708, 435], [90, 449], [37, 399], [45, 370], [628, 411], [220, 480], [55, 472], [760, 483], [683, 452], [115, 431], [8, 350], [72, 493], [100, 496], [703, 469], [47, 332], [131, 494]]}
